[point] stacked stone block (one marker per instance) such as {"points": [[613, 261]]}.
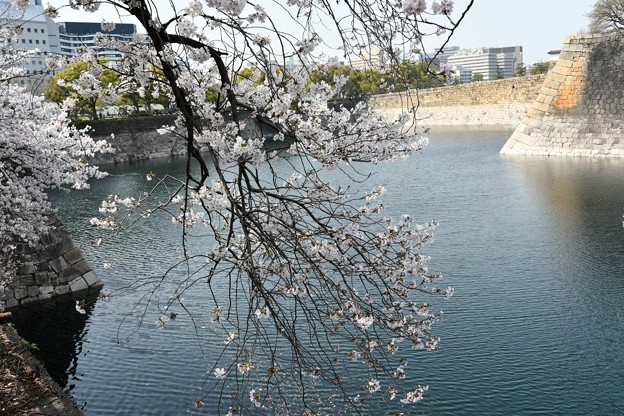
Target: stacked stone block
{"points": [[55, 267], [579, 110], [136, 139], [499, 102]]}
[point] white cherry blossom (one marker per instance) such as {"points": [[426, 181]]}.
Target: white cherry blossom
{"points": [[299, 251]]}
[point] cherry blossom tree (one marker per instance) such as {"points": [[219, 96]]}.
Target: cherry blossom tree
{"points": [[318, 280], [39, 150]]}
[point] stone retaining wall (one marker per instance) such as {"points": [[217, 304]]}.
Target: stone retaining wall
{"points": [[499, 102], [136, 139], [580, 108], [55, 267], [474, 115]]}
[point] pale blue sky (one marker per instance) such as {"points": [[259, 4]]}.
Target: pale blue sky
{"points": [[537, 25]]}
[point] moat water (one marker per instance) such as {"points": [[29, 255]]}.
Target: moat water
{"points": [[534, 248]]}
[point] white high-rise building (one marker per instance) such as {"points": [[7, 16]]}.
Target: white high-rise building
{"points": [[492, 63], [74, 36], [38, 32], [42, 33], [442, 55]]}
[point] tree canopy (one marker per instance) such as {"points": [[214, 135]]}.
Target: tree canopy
{"points": [[96, 86], [143, 96], [365, 82], [477, 76], [520, 70], [319, 280], [607, 15], [92, 91], [540, 68]]}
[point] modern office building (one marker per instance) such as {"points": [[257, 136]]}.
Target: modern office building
{"points": [[42, 33], [74, 36], [442, 55], [492, 63]]}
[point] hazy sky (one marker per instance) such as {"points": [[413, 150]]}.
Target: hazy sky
{"points": [[537, 25]]}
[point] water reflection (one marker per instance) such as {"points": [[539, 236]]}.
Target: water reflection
{"points": [[59, 332], [586, 198]]}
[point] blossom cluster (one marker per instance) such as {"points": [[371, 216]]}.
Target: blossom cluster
{"points": [[39, 150], [444, 7], [343, 236], [414, 6], [303, 249]]}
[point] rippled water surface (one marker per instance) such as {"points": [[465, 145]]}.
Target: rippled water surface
{"points": [[534, 248]]}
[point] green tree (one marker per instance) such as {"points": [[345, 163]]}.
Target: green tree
{"points": [[498, 74], [520, 70], [477, 77], [540, 68], [372, 81], [146, 96], [607, 15], [88, 97], [417, 75], [249, 73], [359, 82]]}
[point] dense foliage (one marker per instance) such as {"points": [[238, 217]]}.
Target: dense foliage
{"points": [[95, 87], [364, 82], [93, 91], [540, 68]]}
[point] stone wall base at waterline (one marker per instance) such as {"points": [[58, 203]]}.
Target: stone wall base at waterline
{"points": [[580, 108], [55, 267]]}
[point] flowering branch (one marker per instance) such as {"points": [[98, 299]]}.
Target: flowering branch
{"points": [[306, 276]]}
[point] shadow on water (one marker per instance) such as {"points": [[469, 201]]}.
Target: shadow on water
{"points": [[59, 333], [585, 198]]}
